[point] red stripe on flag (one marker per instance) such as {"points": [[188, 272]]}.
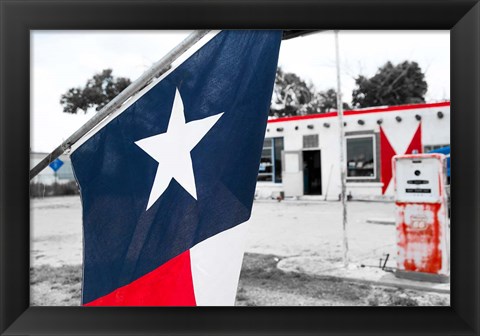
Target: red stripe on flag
{"points": [[386, 153], [169, 285]]}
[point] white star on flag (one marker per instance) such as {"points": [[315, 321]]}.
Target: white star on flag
{"points": [[172, 150]]}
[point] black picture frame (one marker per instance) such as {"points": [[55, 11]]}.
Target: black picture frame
{"points": [[18, 17]]}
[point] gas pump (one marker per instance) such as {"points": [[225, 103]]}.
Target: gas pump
{"points": [[421, 217]]}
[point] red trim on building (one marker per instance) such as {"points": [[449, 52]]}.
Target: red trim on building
{"points": [[354, 112]]}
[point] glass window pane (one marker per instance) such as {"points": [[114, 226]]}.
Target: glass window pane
{"points": [[265, 171], [270, 169], [360, 157], [267, 143], [266, 152], [266, 165], [265, 177], [278, 159]]}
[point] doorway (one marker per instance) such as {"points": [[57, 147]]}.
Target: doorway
{"points": [[312, 172]]}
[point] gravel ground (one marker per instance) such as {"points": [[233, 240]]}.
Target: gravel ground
{"points": [[277, 230]]}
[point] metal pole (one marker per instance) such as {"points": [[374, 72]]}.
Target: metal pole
{"points": [[328, 182], [343, 166], [157, 69]]}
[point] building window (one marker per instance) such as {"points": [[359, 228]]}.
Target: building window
{"points": [[271, 161], [310, 141], [361, 160]]}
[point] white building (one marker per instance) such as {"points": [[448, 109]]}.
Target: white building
{"points": [[301, 154]]}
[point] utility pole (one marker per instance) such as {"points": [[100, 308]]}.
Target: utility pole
{"points": [[343, 166]]}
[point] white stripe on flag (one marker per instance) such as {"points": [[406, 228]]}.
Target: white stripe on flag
{"points": [[216, 263]]}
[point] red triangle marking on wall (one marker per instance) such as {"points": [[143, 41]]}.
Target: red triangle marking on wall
{"points": [[386, 154], [416, 143]]}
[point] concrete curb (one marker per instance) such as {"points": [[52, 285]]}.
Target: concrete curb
{"points": [[382, 221], [394, 285]]}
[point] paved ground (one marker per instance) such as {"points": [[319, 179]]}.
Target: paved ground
{"points": [[296, 228], [289, 228], [56, 231]]}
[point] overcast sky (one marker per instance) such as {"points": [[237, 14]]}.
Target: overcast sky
{"points": [[64, 59]]}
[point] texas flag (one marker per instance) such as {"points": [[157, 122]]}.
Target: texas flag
{"points": [[167, 182]]}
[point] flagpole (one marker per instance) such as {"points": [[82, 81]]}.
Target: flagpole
{"points": [[155, 70], [343, 166]]}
